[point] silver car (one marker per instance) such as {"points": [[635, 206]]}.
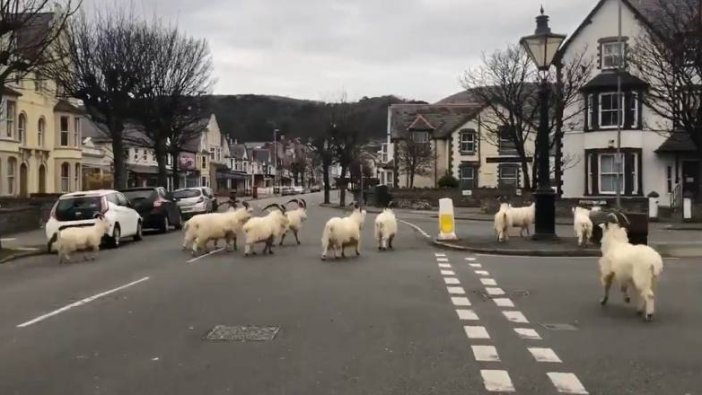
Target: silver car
{"points": [[192, 201]]}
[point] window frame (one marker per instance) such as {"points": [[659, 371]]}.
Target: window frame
{"points": [[66, 178], [604, 56], [41, 131], [462, 179], [22, 129], [66, 133], [425, 137], [620, 109], [76, 131], [76, 176], [11, 175], [462, 141], [10, 115], [634, 110], [600, 173], [501, 177]]}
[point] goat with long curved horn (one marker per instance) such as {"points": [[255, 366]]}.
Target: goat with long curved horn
{"points": [[295, 219]]}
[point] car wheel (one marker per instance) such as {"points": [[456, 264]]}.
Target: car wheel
{"points": [[165, 226], [139, 235], [115, 238], [179, 222]]}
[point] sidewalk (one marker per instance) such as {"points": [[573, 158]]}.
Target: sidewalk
{"points": [[22, 244]]}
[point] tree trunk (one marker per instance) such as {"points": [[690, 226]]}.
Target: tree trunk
{"points": [[161, 159], [325, 177], [120, 179], [342, 187], [559, 130], [176, 170], [525, 170]]}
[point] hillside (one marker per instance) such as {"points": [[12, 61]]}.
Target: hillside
{"points": [[253, 117]]}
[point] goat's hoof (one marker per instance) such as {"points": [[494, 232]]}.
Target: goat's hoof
{"points": [[649, 317], [627, 299], [298, 243], [604, 301], [639, 312], [324, 258]]}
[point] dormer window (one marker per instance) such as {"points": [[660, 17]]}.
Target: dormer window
{"points": [[420, 137], [612, 54]]}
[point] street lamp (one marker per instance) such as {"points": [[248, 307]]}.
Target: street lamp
{"points": [[542, 47]]}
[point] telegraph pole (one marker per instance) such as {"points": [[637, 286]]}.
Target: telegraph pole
{"points": [[619, 163]]}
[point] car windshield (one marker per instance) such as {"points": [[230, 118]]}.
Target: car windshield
{"points": [[186, 193], [78, 208], [140, 194]]}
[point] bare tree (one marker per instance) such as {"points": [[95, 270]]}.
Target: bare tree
{"points": [[28, 30], [346, 140], [320, 146], [669, 58], [178, 77], [414, 158], [100, 63]]}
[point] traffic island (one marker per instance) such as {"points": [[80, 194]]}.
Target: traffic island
{"points": [[561, 247]]}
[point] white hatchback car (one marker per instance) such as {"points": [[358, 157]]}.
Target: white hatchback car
{"points": [[80, 208]]}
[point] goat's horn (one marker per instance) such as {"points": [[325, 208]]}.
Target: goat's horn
{"points": [[246, 204], [304, 202], [616, 219], [271, 205]]}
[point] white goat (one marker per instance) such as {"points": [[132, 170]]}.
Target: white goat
{"points": [[265, 229], [220, 226], [385, 228], [582, 224], [295, 219], [522, 217], [503, 222], [82, 238], [629, 265], [343, 232]]}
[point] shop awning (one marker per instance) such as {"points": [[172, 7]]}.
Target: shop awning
{"points": [[230, 175], [143, 169]]}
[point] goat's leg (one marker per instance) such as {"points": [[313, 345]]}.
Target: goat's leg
{"points": [[358, 247], [607, 284], [624, 289], [96, 248], [248, 250], [390, 241], [297, 238], [282, 238], [325, 248]]}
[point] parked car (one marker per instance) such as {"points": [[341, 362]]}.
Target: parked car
{"points": [[297, 189], [156, 207], [192, 201], [286, 190], [80, 208], [209, 194], [315, 188]]}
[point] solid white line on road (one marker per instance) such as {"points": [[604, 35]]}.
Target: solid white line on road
{"points": [[447, 273], [456, 290], [80, 303], [544, 355], [515, 316], [208, 254], [476, 332], [460, 301], [497, 380], [488, 281], [475, 265], [467, 315], [527, 333], [482, 273], [445, 265], [485, 354], [494, 291], [470, 258], [451, 280], [417, 228], [503, 302], [438, 254], [8, 239], [442, 259], [567, 383]]}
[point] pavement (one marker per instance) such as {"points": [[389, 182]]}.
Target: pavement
{"points": [[416, 320]]}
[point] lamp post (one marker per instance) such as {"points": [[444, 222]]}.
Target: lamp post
{"points": [[542, 47]]}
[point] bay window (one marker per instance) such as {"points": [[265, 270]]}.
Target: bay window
{"points": [[606, 173], [610, 169], [611, 110], [64, 133]]}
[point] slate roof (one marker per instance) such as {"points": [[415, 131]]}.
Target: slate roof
{"points": [[608, 79], [443, 119], [65, 106], [7, 91], [260, 155], [237, 150], [677, 142], [33, 34]]}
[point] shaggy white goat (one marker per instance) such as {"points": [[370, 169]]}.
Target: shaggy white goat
{"points": [[385, 228], [295, 219], [220, 226], [343, 232], [629, 265], [265, 229], [522, 217], [503, 222], [582, 224], [81, 238]]}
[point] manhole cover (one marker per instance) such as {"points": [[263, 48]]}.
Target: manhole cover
{"points": [[242, 333], [560, 327], [508, 294]]}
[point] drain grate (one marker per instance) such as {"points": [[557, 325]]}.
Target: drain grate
{"points": [[242, 333], [560, 327]]}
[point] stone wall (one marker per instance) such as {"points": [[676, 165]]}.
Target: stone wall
{"points": [[24, 214]]}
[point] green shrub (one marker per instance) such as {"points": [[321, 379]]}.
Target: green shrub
{"points": [[448, 181]]}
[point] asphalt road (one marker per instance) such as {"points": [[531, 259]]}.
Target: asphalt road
{"points": [[381, 323]]}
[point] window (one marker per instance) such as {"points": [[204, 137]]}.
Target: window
{"points": [[41, 131], [590, 111], [64, 132], [468, 142], [144, 153], [467, 177], [420, 137], [612, 54], [609, 168], [76, 178], [204, 162], [507, 146], [669, 178], [11, 169], [10, 118], [65, 177], [203, 182], [610, 111], [22, 128], [634, 110], [508, 176], [76, 132], [212, 153]]}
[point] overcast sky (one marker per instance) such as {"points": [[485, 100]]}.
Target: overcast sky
{"points": [[314, 49]]}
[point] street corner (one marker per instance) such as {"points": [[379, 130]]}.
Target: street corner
{"points": [[518, 246], [12, 254]]}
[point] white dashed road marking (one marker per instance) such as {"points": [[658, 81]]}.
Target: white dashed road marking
{"points": [[515, 316], [456, 290], [526, 333], [445, 265], [497, 381], [488, 281], [447, 273], [204, 255], [451, 280], [544, 354], [566, 383], [475, 265], [485, 354], [482, 273], [476, 332], [494, 291], [470, 258], [439, 255], [467, 315], [442, 259], [460, 301], [503, 302]]}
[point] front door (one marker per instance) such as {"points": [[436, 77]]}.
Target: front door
{"points": [[690, 177]]}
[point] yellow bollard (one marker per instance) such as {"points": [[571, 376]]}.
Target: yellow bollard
{"points": [[447, 223]]}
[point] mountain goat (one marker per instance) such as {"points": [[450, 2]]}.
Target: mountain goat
{"points": [[295, 219], [265, 229], [343, 232], [385, 228], [81, 238]]}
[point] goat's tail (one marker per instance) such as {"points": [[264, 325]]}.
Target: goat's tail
{"points": [[505, 222]]}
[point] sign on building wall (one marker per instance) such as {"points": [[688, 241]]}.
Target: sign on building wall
{"points": [[186, 161]]}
